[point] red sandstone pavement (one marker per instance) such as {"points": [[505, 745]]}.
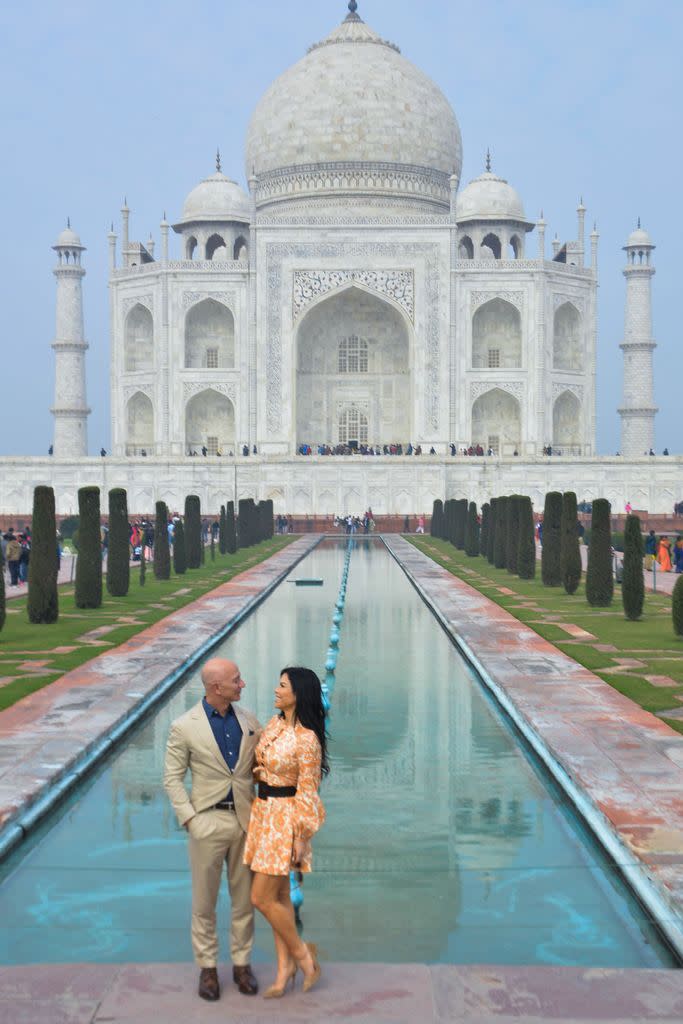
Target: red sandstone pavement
{"points": [[628, 763]]}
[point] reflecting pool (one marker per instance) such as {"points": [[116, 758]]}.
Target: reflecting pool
{"points": [[444, 842]]}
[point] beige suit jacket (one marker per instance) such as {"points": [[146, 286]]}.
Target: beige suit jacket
{"points": [[192, 745]]}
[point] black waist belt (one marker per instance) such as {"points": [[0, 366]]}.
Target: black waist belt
{"points": [[264, 790]]}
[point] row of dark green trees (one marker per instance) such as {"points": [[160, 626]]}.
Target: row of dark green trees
{"points": [[505, 536], [253, 524]]}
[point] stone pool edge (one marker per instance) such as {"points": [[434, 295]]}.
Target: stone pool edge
{"points": [[44, 793], [645, 879]]}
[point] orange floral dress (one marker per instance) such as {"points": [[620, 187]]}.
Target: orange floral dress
{"points": [[290, 756]]}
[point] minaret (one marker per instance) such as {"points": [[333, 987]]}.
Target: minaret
{"points": [[638, 410], [70, 409]]}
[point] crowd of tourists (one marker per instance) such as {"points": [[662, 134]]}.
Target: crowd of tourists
{"points": [[661, 552], [16, 554], [363, 449]]}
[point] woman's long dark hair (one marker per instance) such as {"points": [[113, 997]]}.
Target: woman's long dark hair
{"points": [[310, 710]]}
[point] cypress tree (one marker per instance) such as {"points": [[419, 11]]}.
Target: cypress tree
{"points": [[526, 550], [450, 521], [230, 531], [500, 550], [632, 583], [551, 571], [460, 523], [179, 551], [493, 527], [512, 538], [118, 554], [213, 545], [472, 531], [677, 607], [485, 527], [570, 553], [42, 603], [143, 565], [193, 531], [437, 515], [599, 576], [221, 532], [162, 554], [263, 526], [3, 597], [88, 591], [243, 523], [270, 518]]}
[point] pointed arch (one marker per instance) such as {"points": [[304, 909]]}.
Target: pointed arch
{"points": [[567, 338], [466, 248], [138, 341], [497, 422], [209, 336], [139, 425], [209, 423], [490, 247], [216, 248], [567, 424], [190, 247], [497, 335], [240, 250]]}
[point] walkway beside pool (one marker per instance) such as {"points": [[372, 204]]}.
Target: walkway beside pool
{"points": [[44, 735]]}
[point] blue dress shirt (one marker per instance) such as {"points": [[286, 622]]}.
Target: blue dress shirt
{"points": [[227, 733]]}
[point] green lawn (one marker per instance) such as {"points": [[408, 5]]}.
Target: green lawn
{"points": [[651, 641], [33, 656]]}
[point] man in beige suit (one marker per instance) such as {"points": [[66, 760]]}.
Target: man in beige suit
{"points": [[215, 740]]}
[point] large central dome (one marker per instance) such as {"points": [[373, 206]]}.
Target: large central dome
{"points": [[354, 118]]}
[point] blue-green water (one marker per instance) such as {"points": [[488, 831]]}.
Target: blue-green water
{"points": [[444, 842]]}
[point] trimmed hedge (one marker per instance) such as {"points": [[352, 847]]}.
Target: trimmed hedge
{"points": [[222, 532], [88, 590], [437, 515], [677, 607], [193, 531], [500, 550], [599, 575], [143, 565], [162, 554], [632, 583], [526, 549], [3, 596], [42, 602], [230, 531], [570, 552], [179, 549], [461, 523], [485, 527], [551, 548], [493, 526], [118, 555], [472, 531], [512, 538]]}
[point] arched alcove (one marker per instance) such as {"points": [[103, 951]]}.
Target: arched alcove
{"points": [[190, 247], [240, 249], [490, 247], [209, 336], [353, 351], [466, 248], [496, 422], [567, 341], [497, 336], [515, 247], [216, 249], [139, 425], [567, 424], [209, 423], [139, 340]]}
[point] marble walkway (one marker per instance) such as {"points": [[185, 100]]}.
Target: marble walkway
{"points": [[628, 764]]}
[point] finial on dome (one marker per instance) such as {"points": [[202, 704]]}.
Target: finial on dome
{"points": [[218, 160], [353, 8], [488, 160], [68, 222], [639, 222]]}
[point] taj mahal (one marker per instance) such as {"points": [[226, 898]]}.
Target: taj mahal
{"points": [[357, 294]]}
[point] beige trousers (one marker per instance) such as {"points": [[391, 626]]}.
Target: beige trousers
{"points": [[215, 839]]}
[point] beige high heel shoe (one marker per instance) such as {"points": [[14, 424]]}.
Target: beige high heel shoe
{"points": [[277, 991], [317, 971]]}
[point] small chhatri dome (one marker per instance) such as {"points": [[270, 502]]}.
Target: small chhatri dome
{"points": [[216, 198], [639, 239], [354, 116], [68, 238], [489, 197]]}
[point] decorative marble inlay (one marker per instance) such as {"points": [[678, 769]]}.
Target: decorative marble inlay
{"points": [[515, 299], [481, 387], [195, 387], [559, 388], [192, 298], [398, 285], [575, 300], [137, 300]]}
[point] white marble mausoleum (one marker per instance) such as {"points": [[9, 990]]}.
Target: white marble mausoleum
{"points": [[357, 292]]}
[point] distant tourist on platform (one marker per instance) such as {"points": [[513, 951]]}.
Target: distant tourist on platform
{"points": [[650, 549], [664, 554], [678, 554]]}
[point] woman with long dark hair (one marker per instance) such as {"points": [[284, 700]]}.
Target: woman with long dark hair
{"points": [[291, 758]]}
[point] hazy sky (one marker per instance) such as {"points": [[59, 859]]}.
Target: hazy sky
{"points": [[98, 100]]}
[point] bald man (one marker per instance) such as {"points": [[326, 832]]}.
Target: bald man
{"points": [[215, 740]]}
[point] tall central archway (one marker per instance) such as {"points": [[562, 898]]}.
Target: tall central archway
{"points": [[210, 423], [353, 353]]}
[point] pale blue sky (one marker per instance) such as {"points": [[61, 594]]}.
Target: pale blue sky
{"points": [[574, 97]]}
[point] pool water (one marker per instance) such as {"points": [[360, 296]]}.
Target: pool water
{"points": [[445, 842]]}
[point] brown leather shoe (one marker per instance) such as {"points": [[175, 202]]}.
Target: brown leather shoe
{"points": [[245, 980], [208, 984]]}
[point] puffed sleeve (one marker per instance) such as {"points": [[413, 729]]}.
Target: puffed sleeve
{"points": [[309, 813]]}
